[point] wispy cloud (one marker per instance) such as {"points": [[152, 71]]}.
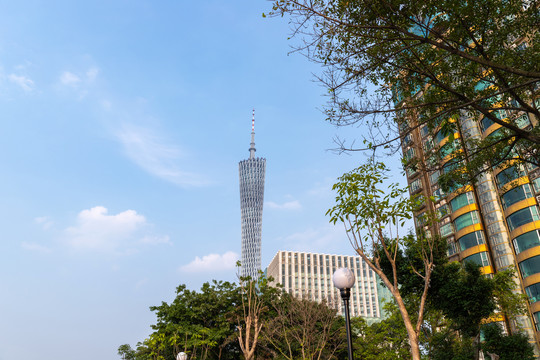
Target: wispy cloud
{"points": [[289, 205], [96, 230], [212, 262], [153, 154], [92, 73], [33, 246], [156, 240], [69, 79], [45, 222], [22, 81]]}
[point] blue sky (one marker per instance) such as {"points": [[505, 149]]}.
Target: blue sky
{"points": [[122, 126]]}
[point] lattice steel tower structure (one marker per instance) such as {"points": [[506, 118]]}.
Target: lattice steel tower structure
{"points": [[252, 172]]}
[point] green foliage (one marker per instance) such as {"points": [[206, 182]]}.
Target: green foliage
{"points": [[198, 323], [363, 205], [464, 296], [410, 266], [508, 347], [385, 340], [447, 345], [126, 352]]}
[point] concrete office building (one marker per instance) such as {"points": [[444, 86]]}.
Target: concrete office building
{"points": [[309, 275]]}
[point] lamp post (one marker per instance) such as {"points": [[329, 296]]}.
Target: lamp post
{"points": [[181, 356], [343, 279]]}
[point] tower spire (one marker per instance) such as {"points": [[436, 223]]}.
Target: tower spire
{"points": [[252, 145]]}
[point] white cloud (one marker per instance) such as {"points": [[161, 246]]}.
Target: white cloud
{"points": [[44, 221], [92, 73], [124, 233], [212, 262], [22, 81], [152, 153], [69, 79], [289, 205], [32, 246], [156, 240]]}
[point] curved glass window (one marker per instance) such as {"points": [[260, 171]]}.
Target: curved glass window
{"points": [[462, 200], [533, 292], [530, 266], [467, 219], [441, 134], [470, 240], [480, 258], [516, 195], [485, 123], [509, 174], [536, 317], [522, 217], [448, 148], [526, 241]]}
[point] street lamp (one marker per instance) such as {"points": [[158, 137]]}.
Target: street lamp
{"points": [[181, 356], [343, 279]]}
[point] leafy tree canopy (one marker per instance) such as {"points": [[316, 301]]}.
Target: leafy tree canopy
{"points": [[426, 63]]}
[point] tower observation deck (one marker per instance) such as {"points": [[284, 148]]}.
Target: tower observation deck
{"points": [[252, 173]]}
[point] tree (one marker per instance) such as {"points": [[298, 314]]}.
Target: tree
{"points": [[304, 329], [368, 214], [506, 347], [256, 297], [427, 63], [384, 340], [199, 323], [126, 352]]}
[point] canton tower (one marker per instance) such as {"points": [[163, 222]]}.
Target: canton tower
{"points": [[252, 173]]}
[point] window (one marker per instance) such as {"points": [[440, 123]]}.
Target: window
{"points": [[526, 241], [536, 185], [416, 185], [485, 123], [522, 217], [448, 148], [442, 211], [409, 154], [533, 292], [462, 200], [424, 130], [480, 258], [523, 121], [452, 248], [509, 174], [434, 177], [515, 195], [530, 266], [407, 139], [470, 240], [428, 144], [447, 229], [441, 135], [467, 219], [536, 317]]}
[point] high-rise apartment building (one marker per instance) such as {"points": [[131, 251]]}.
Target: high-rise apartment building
{"points": [[252, 172], [495, 222], [309, 275]]}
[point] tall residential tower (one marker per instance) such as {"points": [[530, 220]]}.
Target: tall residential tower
{"points": [[252, 172]]}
